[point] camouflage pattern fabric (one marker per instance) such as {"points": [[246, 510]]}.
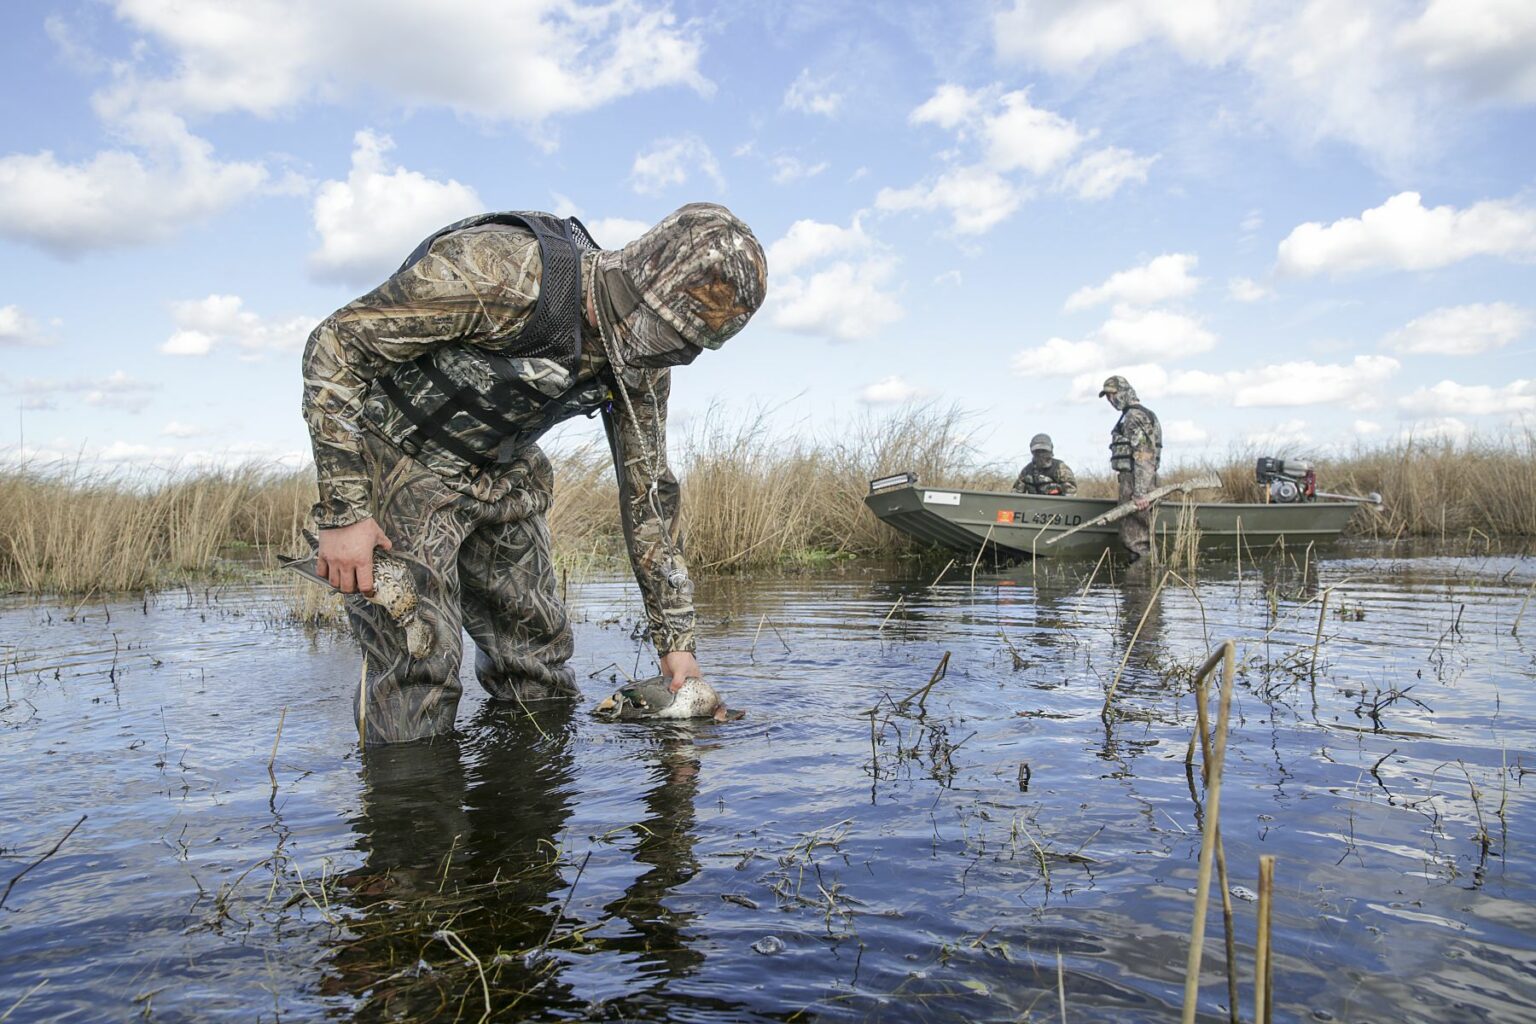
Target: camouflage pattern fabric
{"points": [[701, 270], [1136, 445], [1051, 477], [483, 566], [475, 536]]}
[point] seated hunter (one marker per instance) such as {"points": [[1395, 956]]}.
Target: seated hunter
{"points": [[1045, 474]]}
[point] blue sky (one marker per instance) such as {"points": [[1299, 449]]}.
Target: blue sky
{"points": [[1296, 226]]}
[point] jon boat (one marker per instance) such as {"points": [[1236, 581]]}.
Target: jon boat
{"points": [[1020, 524]]}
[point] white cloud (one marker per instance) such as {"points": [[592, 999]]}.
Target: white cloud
{"points": [[616, 232], [1246, 289], [610, 232], [1388, 77], [120, 197], [811, 95], [1184, 432], [1077, 35], [1165, 277], [524, 61], [951, 278], [1461, 330], [788, 169], [1365, 427], [1132, 333], [1279, 436], [671, 162], [977, 199], [1402, 234], [846, 300], [187, 343], [371, 221], [1358, 383], [18, 328], [1147, 378], [832, 281], [1483, 45], [1100, 174], [1451, 399], [175, 428], [1127, 335], [1016, 145], [1059, 357], [115, 391], [1025, 137], [950, 107], [808, 241], [890, 391], [202, 324]]}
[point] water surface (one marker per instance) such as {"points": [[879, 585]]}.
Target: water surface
{"points": [[835, 856]]}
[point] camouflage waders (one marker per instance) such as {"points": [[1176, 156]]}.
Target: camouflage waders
{"points": [[485, 566], [1136, 528]]}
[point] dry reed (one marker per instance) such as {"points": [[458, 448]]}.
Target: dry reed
{"points": [[752, 500]]}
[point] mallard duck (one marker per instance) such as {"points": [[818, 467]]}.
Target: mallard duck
{"points": [[651, 698]]}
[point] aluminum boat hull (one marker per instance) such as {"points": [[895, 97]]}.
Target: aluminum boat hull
{"points": [[1020, 524]]}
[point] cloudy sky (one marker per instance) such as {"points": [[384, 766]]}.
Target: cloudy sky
{"points": [[1296, 225]]}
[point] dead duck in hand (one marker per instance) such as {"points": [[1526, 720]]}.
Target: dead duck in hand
{"points": [[395, 592], [652, 698]]}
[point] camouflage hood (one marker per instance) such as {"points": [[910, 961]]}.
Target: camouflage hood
{"points": [[1119, 392], [689, 283]]}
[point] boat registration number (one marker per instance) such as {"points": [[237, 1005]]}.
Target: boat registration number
{"points": [[1056, 519]]}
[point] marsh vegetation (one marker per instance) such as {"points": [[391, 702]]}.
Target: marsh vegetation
{"points": [[753, 500]]}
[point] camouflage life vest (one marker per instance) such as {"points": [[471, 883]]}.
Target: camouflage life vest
{"points": [[461, 408], [1136, 429], [1045, 479]]}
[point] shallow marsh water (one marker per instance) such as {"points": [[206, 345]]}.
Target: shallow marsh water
{"points": [[811, 862]]}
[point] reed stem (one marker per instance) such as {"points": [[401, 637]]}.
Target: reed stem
{"points": [[1263, 989], [1208, 842]]}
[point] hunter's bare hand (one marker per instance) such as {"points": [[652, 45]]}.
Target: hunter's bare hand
{"points": [[1142, 504], [678, 666], [346, 555]]}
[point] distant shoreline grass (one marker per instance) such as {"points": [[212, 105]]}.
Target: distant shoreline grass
{"points": [[752, 501]]}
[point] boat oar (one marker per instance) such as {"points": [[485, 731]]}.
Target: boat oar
{"points": [[1373, 499], [1153, 496]]}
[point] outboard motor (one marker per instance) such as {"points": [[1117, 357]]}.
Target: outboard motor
{"points": [[1286, 480]]}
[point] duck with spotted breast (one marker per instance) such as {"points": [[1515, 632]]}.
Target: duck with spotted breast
{"points": [[654, 699]]}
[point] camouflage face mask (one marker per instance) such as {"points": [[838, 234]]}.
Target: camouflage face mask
{"points": [[639, 337]]}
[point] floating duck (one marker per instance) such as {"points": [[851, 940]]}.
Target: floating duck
{"points": [[652, 698]]}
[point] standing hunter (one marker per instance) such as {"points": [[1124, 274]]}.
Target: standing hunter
{"points": [[1135, 448], [1044, 473], [424, 400]]}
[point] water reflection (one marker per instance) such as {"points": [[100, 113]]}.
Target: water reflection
{"points": [[462, 861], [468, 856]]}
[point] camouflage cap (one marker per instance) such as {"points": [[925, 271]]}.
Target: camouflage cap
{"points": [[1113, 385], [1041, 443], [701, 270]]}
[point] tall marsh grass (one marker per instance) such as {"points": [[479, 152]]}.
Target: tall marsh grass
{"points": [[751, 500]]}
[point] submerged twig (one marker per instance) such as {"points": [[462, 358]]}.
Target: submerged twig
{"points": [[921, 694], [18, 875], [272, 761]]}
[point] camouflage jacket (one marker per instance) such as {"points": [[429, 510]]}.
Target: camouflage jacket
{"points": [[1136, 447], [476, 289], [1055, 477]]}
